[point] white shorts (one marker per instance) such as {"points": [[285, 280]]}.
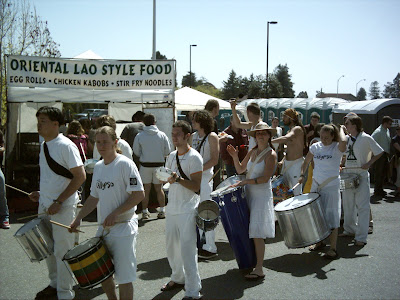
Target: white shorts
{"points": [[148, 175], [123, 252]]}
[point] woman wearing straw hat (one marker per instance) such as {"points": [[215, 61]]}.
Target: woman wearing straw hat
{"points": [[260, 164]]}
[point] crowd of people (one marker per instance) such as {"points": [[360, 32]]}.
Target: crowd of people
{"points": [[126, 170]]}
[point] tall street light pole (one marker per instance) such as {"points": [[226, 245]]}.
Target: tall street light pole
{"points": [[190, 64], [269, 22], [357, 85], [153, 57], [337, 87]]}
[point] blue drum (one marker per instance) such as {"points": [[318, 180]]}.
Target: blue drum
{"points": [[235, 217]]}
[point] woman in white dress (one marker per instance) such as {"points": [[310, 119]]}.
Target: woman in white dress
{"points": [[327, 155], [260, 164]]}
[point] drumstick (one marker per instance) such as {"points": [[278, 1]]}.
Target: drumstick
{"points": [[83, 152], [11, 187], [295, 186], [351, 168], [97, 224], [62, 225], [27, 217], [214, 174]]}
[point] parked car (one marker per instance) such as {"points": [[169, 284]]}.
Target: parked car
{"points": [[85, 114], [98, 114]]}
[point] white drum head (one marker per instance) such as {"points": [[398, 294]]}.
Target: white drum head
{"points": [[166, 187], [89, 165], [82, 248], [28, 226], [163, 173], [296, 202]]}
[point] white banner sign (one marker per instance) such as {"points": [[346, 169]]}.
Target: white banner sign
{"points": [[47, 72]]}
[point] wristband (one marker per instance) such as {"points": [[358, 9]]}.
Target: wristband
{"points": [[302, 175], [255, 180], [177, 179]]}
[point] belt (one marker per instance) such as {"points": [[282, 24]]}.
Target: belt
{"points": [[152, 165]]}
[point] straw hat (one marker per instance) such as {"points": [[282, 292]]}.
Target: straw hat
{"points": [[262, 126]]}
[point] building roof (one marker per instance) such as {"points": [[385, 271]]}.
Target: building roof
{"points": [[350, 97]]}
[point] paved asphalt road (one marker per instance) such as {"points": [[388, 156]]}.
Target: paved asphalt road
{"points": [[371, 272]]}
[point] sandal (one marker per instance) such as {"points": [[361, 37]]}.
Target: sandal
{"points": [[331, 254], [317, 246], [171, 286], [254, 277]]}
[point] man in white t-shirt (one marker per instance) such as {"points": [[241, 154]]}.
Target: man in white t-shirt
{"points": [[180, 227], [362, 152], [107, 120], [116, 190], [58, 197]]}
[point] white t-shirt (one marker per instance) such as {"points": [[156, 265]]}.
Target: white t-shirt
{"points": [[180, 199], [359, 151], [122, 144], [205, 150], [66, 154], [326, 162], [112, 185]]}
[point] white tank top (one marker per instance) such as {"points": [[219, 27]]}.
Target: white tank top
{"points": [[204, 151]]}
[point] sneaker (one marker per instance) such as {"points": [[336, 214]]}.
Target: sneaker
{"points": [[161, 215], [346, 234], [204, 254], [146, 216], [5, 224], [370, 229], [47, 293]]}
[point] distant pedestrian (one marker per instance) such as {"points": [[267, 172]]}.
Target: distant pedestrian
{"points": [[131, 130], [382, 136], [152, 146], [396, 145]]}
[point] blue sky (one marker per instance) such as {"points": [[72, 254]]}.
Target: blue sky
{"points": [[318, 40]]}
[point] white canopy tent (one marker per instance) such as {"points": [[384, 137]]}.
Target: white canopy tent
{"points": [[188, 99]]}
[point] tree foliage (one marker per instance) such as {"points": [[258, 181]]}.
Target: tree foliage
{"points": [[374, 90], [302, 94], [22, 32], [231, 87], [362, 94], [392, 89], [285, 79]]}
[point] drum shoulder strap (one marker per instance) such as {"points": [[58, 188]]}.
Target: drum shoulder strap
{"points": [[256, 161], [55, 166], [180, 168], [321, 186]]}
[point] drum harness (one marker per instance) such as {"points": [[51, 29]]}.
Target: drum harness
{"points": [[256, 161]]}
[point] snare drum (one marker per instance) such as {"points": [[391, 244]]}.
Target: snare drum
{"points": [[90, 262], [280, 189], [302, 221], [207, 215], [349, 181], [89, 165], [235, 217], [35, 237]]}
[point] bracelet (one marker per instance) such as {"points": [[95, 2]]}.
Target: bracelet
{"points": [[57, 201], [301, 175], [255, 180]]}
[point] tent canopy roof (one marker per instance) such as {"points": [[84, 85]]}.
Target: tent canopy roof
{"points": [[366, 106], [189, 99]]}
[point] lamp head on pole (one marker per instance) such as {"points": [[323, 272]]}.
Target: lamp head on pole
{"points": [[272, 22]]}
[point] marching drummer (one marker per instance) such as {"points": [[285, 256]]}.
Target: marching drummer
{"points": [[327, 155], [58, 196], [117, 188], [206, 142], [356, 202], [296, 141], [260, 163]]}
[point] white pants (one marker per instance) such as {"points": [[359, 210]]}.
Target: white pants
{"points": [[60, 276], [292, 174], [180, 233], [205, 194], [356, 207]]}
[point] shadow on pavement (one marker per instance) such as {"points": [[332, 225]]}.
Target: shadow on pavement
{"points": [[88, 294]]}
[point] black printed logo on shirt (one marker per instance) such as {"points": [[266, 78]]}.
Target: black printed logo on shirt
{"points": [[104, 185], [133, 181]]}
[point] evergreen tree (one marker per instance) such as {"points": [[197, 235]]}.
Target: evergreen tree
{"points": [[374, 90], [362, 94], [231, 88], [282, 75], [188, 80], [302, 95], [392, 89], [274, 87]]}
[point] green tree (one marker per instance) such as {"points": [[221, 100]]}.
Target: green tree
{"points": [[160, 56], [282, 75], [374, 90], [231, 87], [274, 87], [189, 80], [362, 94], [22, 32], [302, 95], [256, 87], [392, 89], [210, 90]]}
